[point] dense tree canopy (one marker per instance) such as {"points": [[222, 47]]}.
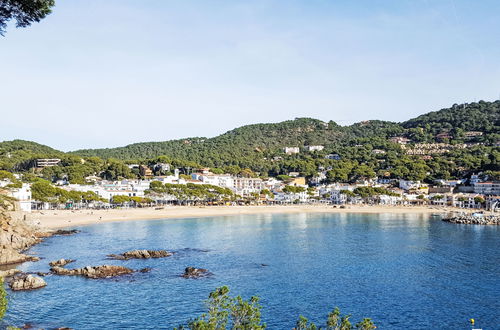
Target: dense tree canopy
{"points": [[361, 151]]}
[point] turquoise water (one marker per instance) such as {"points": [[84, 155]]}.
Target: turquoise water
{"points": [[403, 271]]}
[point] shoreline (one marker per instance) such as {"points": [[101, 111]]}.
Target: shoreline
{"points": [[56, 219]]}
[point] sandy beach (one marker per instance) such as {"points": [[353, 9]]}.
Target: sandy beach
{"points": [[68, 218]]}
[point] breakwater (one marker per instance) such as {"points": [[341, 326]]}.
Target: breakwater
{"points": [[469, 219]]}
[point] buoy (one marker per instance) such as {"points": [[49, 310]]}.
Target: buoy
{"points": [[472, 321]]}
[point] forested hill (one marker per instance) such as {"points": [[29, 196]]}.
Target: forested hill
{"points": [[245, 145], [250, 140], [14, 153], [481, 116], [469, 135]]}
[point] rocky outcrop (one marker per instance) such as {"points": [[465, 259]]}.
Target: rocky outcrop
{"points": [[9, 256], [62, 232], [140, 254], [15, 236], [104, 271], [8, 273], [192, 272], [61, 262], [474, 220], [26, 282]]}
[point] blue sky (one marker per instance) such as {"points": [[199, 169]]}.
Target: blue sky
{"points": [[108, 73]]}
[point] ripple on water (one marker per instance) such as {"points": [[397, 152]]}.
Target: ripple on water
{"points": [[403, 271]]}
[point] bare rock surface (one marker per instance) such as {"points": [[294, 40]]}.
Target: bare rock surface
{"points": [[62, 232], [141, 254], [474, 220], [16, 235], [26, 282], [8, 273], [61, 262], [192, 272], [104, 271]]}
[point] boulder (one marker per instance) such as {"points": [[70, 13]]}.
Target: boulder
{"points": [[192, 272], [104, 271], [61, 262], [8, 273], [140, 254], [26, 282], [9, 256], [62, 232]]}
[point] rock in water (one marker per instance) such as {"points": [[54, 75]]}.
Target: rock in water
{"points": [[26, 282], [62, 232], [8, 273], [9, 256], [192, 272], [61, 262], [104, 271], [140, 254]]}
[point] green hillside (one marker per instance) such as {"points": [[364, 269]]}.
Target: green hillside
{"points": [[362, 146], [481, 116], [13, 154]]}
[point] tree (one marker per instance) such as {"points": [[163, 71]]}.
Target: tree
{"points": [[116, 170], [267, 192], [366, 324], [24, 12], [3, 300], [336, 321], [479, 200], [363, 171], [121, 199], [224, 310], [303, 324]]}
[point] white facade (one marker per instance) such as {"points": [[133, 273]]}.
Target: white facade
{"points": [[291, 150], [487, 188], [291, 197], [106, 190], [225, 180], [246, 186], [408, 185], [315, 148], [23, 195]]}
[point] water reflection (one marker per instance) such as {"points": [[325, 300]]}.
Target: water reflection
{"points": [[393, 268]]}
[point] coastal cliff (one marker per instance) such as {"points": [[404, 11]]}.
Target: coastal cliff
{"points": [[15, 234]]}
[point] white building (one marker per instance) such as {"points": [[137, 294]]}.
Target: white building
{"points": [[246, 186], [314, 148], [273, 184], [23, 195], [291, 197], [409, 185], [223, 180], [291, 150], [106, 190], [389, 200], [487, 188]]}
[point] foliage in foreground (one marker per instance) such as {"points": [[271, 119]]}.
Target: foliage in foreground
{"points": [[3, 300], [225, 312], [23, 12]]}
